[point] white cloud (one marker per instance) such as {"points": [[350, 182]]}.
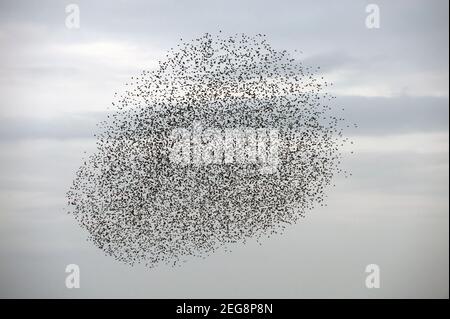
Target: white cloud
{"points": [[419, 143]]}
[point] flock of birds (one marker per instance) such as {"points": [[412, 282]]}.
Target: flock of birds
{"points": [[139, 207]]}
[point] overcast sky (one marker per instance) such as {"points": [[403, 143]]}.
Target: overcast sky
{"points": [[56, 84]]}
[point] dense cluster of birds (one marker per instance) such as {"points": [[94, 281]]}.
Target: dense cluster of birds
{"points": [[140, 207]]}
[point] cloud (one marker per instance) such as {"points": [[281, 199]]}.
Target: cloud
{"points": [[375, 116], [419, 143], [69, 126], [392, 81], [383, 116]]}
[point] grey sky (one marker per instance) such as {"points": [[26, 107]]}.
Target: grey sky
{"points": [[57, 83]]}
